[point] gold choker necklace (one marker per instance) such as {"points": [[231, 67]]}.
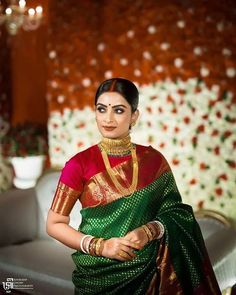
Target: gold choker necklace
{"points": [[116, 147]]}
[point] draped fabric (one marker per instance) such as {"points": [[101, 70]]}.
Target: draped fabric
{"points": [[176, 264]]}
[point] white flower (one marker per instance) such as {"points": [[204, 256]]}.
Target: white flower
{"points": [[130, 34], [215, 88], [197, 50], [60, 98], [147, 55], [181, 24], [220, 26], [101, 46], [159, 68], [54, 84], [52, 54], [66, 70], [123, 61], [93, 62], [152, 29], [178, 62], [226, 52], [164, 46], [204, 72], [86, 82], [230, 72], [108, 74], [137, 72]]}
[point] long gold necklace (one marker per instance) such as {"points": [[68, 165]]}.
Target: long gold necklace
{"points": [[120, 188]]}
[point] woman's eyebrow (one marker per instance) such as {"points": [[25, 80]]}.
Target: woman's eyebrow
{"points": [[115, 106]]}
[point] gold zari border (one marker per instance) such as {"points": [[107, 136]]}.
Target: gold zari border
{"points": [[64, 199]]}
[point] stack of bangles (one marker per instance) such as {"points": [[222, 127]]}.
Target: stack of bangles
{"points": [[91, 245], [154, 230]]}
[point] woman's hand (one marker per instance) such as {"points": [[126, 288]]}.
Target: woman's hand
{"points": [[138, 235], [119, 249]]}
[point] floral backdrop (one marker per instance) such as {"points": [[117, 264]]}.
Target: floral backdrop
{"points": [[182, 56]]}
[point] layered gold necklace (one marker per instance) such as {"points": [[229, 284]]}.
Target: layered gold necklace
{"points": [[120, 147]]}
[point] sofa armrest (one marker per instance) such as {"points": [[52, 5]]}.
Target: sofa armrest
{"points": [[18, 216]]}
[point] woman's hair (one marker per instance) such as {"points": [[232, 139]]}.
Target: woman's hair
{"points": [[124, 87]]}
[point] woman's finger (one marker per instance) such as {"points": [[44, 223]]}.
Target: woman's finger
{"points": [[129, 243], [128, 250]]}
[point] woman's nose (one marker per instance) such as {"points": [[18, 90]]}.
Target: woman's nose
{"points": [[108, 117]]}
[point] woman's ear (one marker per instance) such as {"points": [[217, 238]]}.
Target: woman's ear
{"points": [[134, 117]]}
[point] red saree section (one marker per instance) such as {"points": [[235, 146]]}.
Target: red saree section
{"points": [[86, 173], [100, 190]]}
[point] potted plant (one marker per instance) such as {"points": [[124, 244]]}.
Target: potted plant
{"points": [[25, 145]]}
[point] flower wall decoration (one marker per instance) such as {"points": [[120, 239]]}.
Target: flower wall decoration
{"points": [[191, 124]]}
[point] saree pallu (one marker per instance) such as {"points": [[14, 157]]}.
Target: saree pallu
{"points": [[176, 264]]}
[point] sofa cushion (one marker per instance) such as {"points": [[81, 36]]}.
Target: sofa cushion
{"points": [[18, 216], [45, 190], [45, 264]]}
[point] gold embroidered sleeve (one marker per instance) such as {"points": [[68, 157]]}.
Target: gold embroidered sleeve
{"points": [[64, 199]]}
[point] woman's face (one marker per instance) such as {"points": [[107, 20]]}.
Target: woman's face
{"points": [[114, 115]]}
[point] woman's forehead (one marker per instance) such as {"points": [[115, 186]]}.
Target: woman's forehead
{"points": [[112, 98]]}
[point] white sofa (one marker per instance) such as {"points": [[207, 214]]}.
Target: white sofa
{"points": [[26, 251]]}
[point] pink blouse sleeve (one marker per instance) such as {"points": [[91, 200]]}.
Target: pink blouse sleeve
{"points": [[69, 188]]}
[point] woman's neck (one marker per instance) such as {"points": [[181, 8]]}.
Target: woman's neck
{"points": [[116, 146]]}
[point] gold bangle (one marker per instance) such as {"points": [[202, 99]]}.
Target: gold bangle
{"points": [[101, 247], [152, 230], [147, 231], [97, 247], [93, 247]]}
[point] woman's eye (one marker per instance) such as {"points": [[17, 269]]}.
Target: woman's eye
{"points": [[101, 109], [119, 111]]}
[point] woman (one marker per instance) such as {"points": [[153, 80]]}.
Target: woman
{"points": [[136, 236]]}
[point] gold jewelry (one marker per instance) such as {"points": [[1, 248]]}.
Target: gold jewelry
{"points": [[97, 247], [123, 254], [116, 147], [148, 232], [110, 172]]}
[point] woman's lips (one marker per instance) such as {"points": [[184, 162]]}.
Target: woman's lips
{"points": [[109, 128]]}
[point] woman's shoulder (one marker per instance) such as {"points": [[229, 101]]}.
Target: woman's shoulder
{"points": [[84, 155], [149, 150]]}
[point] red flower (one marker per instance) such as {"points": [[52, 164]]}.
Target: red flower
{"points": [[219, 191], [165, 127], [169, 99], [200, 204], [186, 120], [193, 181], [214, 132], [217, 150], [218, 114], [176, 129], [223, 176], [205, 117], [175, 162], [162, 145], [80, 143], [201, 128], [160, 110], [149, 110], [174, 111], [203, 166], [227, 134], [194, 141], [231, 164]]}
